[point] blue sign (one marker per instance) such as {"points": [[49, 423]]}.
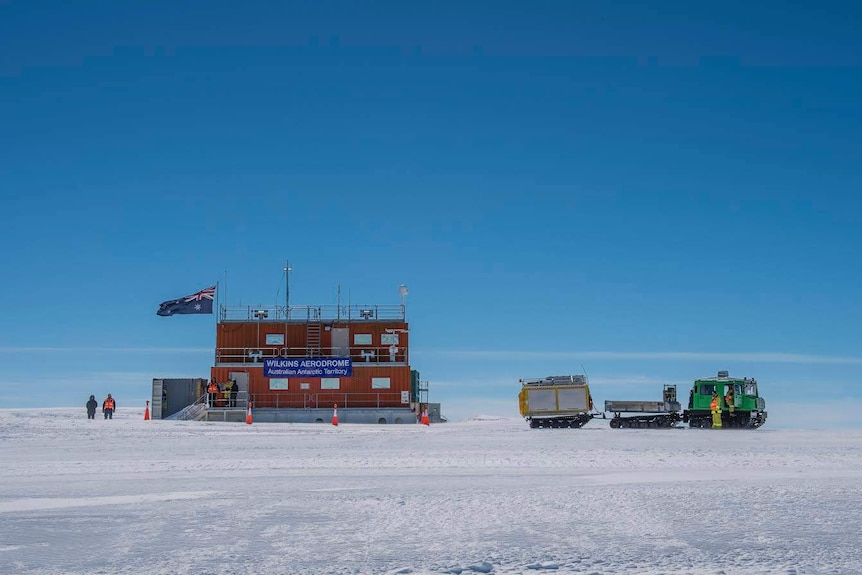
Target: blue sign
{"points": [[308, 367]]}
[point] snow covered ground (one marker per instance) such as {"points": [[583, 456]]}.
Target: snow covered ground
{"points": [[490, 495]]}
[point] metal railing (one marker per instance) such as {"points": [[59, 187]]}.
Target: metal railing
{"points": [[189, 412], [326, 399], [353, 312], [223, 400], [366, 354]]}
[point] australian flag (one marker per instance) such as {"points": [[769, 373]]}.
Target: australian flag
{"points": [[201, 302]]}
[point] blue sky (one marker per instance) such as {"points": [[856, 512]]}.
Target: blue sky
{"points": [[649, 193]]}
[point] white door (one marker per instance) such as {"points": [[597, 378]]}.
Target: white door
{"points": [[241, 379]]}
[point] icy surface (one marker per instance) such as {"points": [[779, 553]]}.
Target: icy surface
{"points": [[484, 496]]}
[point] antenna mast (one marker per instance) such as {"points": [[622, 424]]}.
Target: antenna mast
{"points": [[287, 289]]}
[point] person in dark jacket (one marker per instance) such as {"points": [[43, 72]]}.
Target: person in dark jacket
{"points": [[91, 407], [234, 390]]}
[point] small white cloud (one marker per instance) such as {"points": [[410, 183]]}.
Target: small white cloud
{"points": [[97, 349], [628, 380], [754, 357]]}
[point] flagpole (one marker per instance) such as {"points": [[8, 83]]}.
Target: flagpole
{"points": [[224, 302]]}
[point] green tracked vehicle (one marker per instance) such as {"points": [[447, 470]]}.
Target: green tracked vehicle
{"points": [[749, 409]]}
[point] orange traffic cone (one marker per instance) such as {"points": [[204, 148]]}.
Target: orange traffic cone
{"points": [[425, 420], [248, 415], [335, 415], [147, 412]]}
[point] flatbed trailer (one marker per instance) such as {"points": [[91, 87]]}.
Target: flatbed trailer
{"points": [[665, 413]]}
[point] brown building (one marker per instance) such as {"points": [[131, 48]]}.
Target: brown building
{"points": [[295, 363]]}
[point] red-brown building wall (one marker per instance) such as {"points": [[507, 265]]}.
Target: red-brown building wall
{"points": [[235, 339], [355, 391]]}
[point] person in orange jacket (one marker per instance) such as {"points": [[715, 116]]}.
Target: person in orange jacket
{"points": [[715, 408], [212, 393], [729, 400], [108, 407]]}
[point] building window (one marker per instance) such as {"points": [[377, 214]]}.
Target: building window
{"points": [[330, 383], [362, 339], [380, 383], [275, 339], [278, 383]]}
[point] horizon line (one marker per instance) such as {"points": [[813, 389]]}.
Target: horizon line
{"points": [[761, 357]]}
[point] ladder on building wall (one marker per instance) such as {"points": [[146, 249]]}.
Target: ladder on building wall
{"points": [[312, 334]]}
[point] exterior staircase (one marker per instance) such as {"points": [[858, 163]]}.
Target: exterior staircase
{"points": [[193, 412]]}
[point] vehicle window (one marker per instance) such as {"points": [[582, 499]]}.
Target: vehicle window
{"points": [[751, 389], [707, 388]]}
